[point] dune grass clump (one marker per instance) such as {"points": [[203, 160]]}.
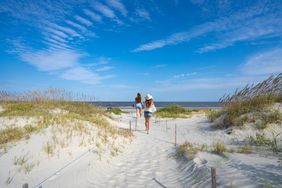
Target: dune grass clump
{"points": [[247, 149], [261, 140], [115, 110], [218, 148], [189, 149], [174, 111], [252, 104]]}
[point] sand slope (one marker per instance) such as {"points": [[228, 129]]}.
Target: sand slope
{"points": [[150, 161]]}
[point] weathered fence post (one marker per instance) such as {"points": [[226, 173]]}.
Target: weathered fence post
{"points": [[130, 125], [166, 125], [213, 177], [25, 185], [175, 134], [136, 123]]}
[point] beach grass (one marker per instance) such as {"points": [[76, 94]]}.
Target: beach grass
{"points": [[56, 109], [252, 104], [115, 110], [174, 111]]}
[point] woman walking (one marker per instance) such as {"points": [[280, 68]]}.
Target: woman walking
{"points": [[148, 111], [138, 105]]}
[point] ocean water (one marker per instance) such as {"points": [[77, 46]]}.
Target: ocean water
{"points": [[127, 104]]}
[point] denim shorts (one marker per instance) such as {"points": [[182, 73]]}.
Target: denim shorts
{"points": [[138, 106], [148, 114]]}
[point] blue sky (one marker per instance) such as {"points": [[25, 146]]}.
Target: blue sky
{"points": [[177, 50]]}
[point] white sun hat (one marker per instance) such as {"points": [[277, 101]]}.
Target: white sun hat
{"points": [[148, 97]]}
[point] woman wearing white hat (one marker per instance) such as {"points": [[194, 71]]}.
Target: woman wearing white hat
{"points": [[148, 110]]}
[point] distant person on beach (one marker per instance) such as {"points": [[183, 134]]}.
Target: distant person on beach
{"points": [[138, 105], [149, 109]]}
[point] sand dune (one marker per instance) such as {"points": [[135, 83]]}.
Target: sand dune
{"points": [[150, 160]]}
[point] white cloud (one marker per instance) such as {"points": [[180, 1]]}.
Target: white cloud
{"points": [[104, 10], [50, 60], [117, 5], [76, 25], [251, 23], [105, 68], [57, 32], [184, 75], [83, 20], [268, 62], [66, 30], [92, 15], [144, 14], [81, 74], [207, 83]]}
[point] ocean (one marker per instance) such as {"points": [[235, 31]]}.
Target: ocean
{"points": [[127, 104]]}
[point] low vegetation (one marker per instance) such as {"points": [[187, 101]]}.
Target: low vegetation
{"points": [[115, 110], [174, 111], [56, 112], [190, 150], [218, 148], [253, 104]]}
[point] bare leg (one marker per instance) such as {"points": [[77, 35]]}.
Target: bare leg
{"points": [[137, 112], [147, 124], [140, 112]]}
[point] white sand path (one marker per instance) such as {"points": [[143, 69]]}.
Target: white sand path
{"points": [[149, 161]]}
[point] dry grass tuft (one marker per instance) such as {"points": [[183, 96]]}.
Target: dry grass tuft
{"points": [[218, 148], [251, 105]]}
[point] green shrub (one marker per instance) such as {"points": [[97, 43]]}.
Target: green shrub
{"points": [[173, 111], [115, 110]]}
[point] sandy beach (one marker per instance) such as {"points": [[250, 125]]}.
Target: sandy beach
{"points": [[146, 160]]}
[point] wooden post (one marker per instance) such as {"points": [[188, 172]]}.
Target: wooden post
{"points": [[175, 135], [213, 175], [136, 124], [130, 125], [25, 185], [166, 125]]}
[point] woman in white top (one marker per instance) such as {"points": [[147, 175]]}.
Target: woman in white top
{"points": [[149, 109]]}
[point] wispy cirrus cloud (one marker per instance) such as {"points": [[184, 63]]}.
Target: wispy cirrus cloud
{"points": [[183, 75], [260, 20], [116, 4], [104, 10], [143, 14], [84, 75], [92, 15], [83, 20], [267, 62], [51, 60], [105, 68], [254, 69]]}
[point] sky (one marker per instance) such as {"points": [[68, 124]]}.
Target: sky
{"points": [[176, 50]]}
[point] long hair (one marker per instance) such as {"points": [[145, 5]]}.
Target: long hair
{"points": [[148, 103], [138, 99]]}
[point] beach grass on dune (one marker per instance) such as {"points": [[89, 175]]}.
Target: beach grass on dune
{"points": [[252, 104], [51, 109], [115, 110], [174, 111]]}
